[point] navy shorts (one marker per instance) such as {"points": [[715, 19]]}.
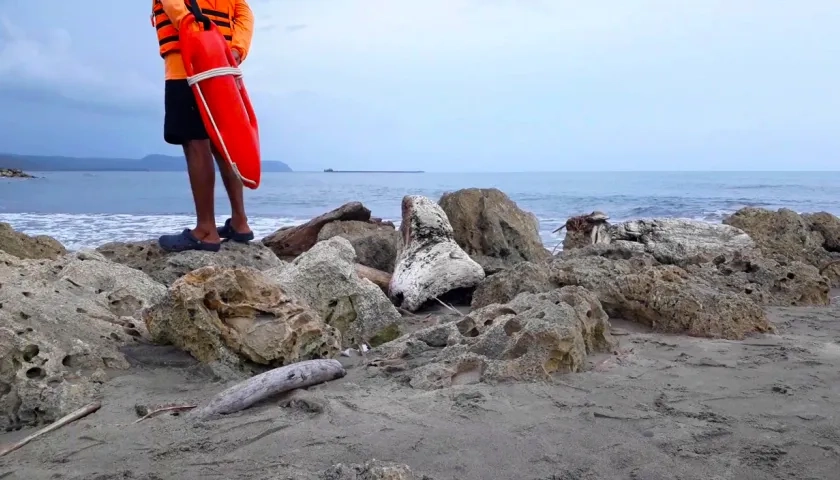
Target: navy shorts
{"points": [[182, 120]]}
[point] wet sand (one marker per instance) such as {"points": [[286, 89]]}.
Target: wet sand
{"points": [[666, 407]]}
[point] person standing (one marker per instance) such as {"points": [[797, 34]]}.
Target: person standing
{"points": [[182, 124]]}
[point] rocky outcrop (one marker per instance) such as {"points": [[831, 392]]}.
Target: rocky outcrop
{"points": [[585, 230], [13, 173], [293, 241], [664, 297], [375, 243], [529, 338], [372, 470], [24, 246], [62, 324], [682, 242], [164, 267], [489, 226], [502, 287], [429, 263], [764, 280], [239, 317], [325, 278], [785, 235]]}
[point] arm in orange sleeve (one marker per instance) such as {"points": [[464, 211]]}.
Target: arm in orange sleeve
{"points": [[243, 29]]}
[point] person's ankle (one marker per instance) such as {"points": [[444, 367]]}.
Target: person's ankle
{"points": [[240, 224], [207, 235]]}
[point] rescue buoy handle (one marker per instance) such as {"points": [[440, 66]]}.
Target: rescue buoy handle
{"points": [[199, 15]]}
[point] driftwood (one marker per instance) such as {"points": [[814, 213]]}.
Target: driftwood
{"points": [[378, 277], [273, 382], [293, 241], [69, 418], [158, 411]]}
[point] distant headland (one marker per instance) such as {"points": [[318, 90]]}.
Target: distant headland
{"points": [[149, 163], [330, 170]]}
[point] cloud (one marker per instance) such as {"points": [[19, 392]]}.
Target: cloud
{"points": [[45, 66]]}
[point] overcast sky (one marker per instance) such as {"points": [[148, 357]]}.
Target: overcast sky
{"points": [[455, 85]]}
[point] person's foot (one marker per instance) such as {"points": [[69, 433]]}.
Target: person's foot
{"points": [[237, 233], [189, 240]]}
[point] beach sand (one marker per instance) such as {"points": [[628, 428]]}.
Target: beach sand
{"points": [[666, 407]]}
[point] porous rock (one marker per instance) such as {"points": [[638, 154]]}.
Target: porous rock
{"points": [[62, 324], [375, 243], [147, 256], [682, 242], [293, 241], [240, 318], [429, 262], [26, 246], [325, 278], [487, 224], [502, 287], [664, 297], [530, 338]]}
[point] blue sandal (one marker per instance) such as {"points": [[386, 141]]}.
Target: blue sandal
{"points": [[186, 241], [228, 233]]}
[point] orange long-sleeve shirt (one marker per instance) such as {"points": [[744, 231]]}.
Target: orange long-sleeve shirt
{"points": [[242, 26]]}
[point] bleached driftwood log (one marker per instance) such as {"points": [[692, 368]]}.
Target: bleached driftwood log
{"points": [[273, 382], [380, 278]]}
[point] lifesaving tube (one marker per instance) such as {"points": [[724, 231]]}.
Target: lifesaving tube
{"points": [[221, 96]]}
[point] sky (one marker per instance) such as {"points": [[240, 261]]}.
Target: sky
{"points": [[455, 85]]}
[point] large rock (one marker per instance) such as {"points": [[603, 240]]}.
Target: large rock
{"points": [[487, 223], [325, 278], [764, 280], [682, 242], [25, 246], [375, 243], [62, 324], [664, 297], [785, 235], [147, 256], [239, 317], [502, 287], [429, 263], [826, 225], [292, 241], [529, 338]]}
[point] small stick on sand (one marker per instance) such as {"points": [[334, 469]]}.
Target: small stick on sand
{"points": [[69, 418], [175, 408], [450, 307], [273, 382]]}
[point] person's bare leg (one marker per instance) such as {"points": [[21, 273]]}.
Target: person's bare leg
{"points": [[233, 186], [202, 180]]}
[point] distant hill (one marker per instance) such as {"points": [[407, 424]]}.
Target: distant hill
{"points": [[149, 163]]}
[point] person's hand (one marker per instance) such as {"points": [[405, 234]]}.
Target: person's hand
{"points": [[236, 57]]}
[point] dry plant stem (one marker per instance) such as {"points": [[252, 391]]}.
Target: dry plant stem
{"points": [[69, 418], [176, 408]]}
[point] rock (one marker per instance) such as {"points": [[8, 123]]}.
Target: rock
{"points": [[293, 241], [529, 338], [826, 225], [507, 284], [429, 262], [372, 470], [664, 297], [486, 223], [62, 324], [25, 246], [375, 243], [682, 242], [325, 278], [585, 230], [164, 267], [240, 318], [766, 281], [784, 235], [13, 173]]}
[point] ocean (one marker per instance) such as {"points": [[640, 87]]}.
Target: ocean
{"points": [[87, 209]]}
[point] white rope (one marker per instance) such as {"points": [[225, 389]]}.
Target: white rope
{"points": [[213, 73]]}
